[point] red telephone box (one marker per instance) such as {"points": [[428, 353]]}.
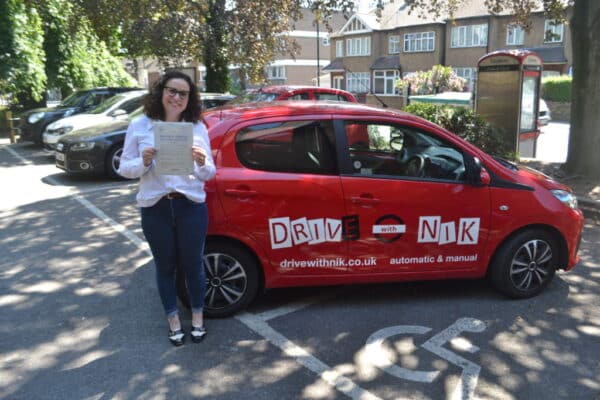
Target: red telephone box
{"points": [[508, 96]]}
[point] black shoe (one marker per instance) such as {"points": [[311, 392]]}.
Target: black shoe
{"points": [[177, 337], [197, 333]]}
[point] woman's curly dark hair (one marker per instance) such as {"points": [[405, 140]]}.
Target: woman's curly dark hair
{"points": [[153, 106]]}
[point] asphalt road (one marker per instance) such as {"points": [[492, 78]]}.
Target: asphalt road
{"points": [[80, 318]]}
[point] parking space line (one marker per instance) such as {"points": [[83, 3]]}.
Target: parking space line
{"points": [[17, 155], [296, 306], [332, 377]]}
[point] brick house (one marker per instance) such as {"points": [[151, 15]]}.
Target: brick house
{"points": [[369, 54]]}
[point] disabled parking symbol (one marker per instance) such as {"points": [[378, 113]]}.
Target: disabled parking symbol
{"points": [[465, 388]]}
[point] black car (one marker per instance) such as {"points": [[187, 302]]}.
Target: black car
{"points": [[98, 149], [34, 122]]}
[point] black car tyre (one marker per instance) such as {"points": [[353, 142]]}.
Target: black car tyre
{"points": [[113, 159], [525, 264], [232, 279]]}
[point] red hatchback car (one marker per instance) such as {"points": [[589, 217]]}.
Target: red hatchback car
{"points": [[287, 92], [323, 193]]}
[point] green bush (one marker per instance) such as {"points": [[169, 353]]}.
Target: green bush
{"points": [[466, 124], [557, 88]]}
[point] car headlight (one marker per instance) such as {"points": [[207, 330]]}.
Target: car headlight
{"points": [[63, 130], [83, 146], [565, 197], [35, 117]]}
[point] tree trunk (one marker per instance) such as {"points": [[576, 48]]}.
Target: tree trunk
{"points": [[584, 141], [216, 57]]}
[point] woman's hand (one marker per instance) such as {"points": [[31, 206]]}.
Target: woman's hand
{"points": [[148, 155], [199, 155]]}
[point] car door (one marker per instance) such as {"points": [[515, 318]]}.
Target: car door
{"points": [[407, 187], [279, 186]]}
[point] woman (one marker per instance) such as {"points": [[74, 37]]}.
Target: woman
{"points": [[174, 214]]}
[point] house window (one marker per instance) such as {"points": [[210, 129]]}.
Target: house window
{"points": [[467, 73], [553, 31], [360, 46], [385, 81], [356, 25], [514, 35], [326, 41], [339, 48], [469, 36], [394, 44], [338, 82], [358, 82], [417, 42], [276, 72]]}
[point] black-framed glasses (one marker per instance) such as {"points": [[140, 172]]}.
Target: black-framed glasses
{"points": [[183, 94]]}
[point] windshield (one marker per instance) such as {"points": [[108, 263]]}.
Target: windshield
{"points": [[254, 96], [105, 106], [73, 100], [136, 113]]}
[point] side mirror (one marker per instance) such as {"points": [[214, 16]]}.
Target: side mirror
{"points": [[118, 112], [475, 173]]}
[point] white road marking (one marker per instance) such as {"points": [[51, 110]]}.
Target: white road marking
{"points": [[465, 388], [332, 377], [377, 355], [296, 306], [17, 155]]}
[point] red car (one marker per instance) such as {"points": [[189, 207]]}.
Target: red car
{"points": [[285, 92], [310, 193]]}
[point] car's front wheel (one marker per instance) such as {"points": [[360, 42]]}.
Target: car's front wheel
{"points": [[232, 279], [113, 160], [525, 264]]}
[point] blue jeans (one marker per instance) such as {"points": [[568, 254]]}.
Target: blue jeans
{"points": [[176, 230]]}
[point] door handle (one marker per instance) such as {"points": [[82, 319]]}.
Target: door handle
{"points": [[365, 200], [241, 192]]}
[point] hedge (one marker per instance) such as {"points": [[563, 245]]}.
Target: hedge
{"points": [[466, 124], [557, 88]]}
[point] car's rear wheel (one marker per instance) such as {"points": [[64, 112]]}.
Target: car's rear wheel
{"points": [[113, 160], [232, 279], [525, 264]]}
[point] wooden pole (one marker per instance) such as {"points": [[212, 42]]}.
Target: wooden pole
{"points": [[11, 128]]}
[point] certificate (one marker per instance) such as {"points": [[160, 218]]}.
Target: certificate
{"points": [[173, 142]]}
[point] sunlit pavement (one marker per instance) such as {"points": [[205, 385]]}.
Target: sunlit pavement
{"points": [[80, 319], [553, 143]]}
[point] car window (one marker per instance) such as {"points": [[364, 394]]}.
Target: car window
{"points": [[295, 146], [330, 96], [105, 105], [299, 96], [74, 99], [95, 99], [131, 105], [379, 149]]}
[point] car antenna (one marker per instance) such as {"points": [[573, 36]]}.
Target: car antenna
{"points": [[371, 92]]}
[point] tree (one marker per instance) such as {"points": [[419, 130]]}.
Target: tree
{"points": [[584, 138], [48, 44], [246, 33], [21, 53]]}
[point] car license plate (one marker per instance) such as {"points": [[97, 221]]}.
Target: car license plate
{"points": [[60, 156]]}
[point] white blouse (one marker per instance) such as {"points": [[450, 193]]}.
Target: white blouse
{"points": [[140, 134]]}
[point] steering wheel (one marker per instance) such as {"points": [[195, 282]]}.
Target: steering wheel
{"points": [[416, 166]]}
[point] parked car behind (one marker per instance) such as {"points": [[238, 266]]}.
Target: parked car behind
{"points": [[324, 193], [97, 149], [544, 116], [116, 107], [34, 122], [283, 92]]}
